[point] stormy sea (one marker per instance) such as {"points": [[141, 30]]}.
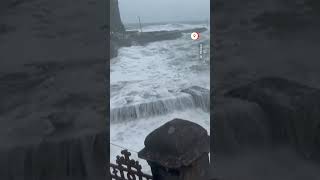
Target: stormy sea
{"points": [[155, 83]]}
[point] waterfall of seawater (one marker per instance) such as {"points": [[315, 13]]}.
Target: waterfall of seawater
{"points": [[194, 97]]}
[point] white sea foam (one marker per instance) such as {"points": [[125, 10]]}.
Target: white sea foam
{"points": [[145, 73], [146, 84]]}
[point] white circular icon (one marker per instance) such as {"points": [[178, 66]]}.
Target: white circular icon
{"points": [[195, 36]]}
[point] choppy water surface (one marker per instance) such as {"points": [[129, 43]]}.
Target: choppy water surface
{"points": [[146, 84]]}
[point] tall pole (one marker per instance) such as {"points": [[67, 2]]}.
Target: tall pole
{"points": [[140, 24]]}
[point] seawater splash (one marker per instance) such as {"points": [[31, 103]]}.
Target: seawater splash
{"points": [[152, 108], [193, 97]]}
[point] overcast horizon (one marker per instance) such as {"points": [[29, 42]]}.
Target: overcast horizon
{"points": [[154, 11]]}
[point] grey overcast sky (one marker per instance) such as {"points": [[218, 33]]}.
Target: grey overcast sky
{"points": [[164, 10]]}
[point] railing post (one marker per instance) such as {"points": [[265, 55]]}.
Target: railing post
{"points": [[178, 150]]}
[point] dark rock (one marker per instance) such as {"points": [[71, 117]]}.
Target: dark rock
{"points": [[293, 111], [115, 19], [116, 28], [175, 144], [113, 50]]}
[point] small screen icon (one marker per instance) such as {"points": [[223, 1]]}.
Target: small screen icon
{"points": [[195, 36]]}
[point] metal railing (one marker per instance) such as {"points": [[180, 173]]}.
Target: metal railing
{"points": [[127, 168]]}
